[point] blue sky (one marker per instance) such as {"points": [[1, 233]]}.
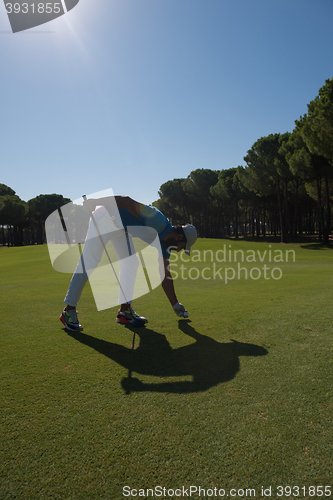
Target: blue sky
{"points": [[127, 94]]}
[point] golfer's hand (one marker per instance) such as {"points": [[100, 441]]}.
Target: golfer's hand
{"points": [[89, 205], [179, 309]]}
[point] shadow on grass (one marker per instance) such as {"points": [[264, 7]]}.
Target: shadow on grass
{"points": [[317, 246], [206, 361]]}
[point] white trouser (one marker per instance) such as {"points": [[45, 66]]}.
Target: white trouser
{"points": [[92, 252]]}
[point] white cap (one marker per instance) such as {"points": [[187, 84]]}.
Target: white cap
{"points": [[191, 237]]}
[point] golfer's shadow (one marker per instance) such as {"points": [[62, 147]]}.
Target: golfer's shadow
{"points": [[206, 361]]}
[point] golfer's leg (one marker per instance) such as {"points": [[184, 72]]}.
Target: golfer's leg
{"points": [[128, 265], [90, 257], [75, 288]]}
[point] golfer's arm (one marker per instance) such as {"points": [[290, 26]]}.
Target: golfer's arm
{"points": [[167, 284]]}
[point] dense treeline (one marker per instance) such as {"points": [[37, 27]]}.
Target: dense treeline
{"points": [[285, 189], [22, 223]]}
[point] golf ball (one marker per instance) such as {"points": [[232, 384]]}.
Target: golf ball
{"points": [[185, 315]]}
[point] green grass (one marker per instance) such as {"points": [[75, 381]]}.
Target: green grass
{"points": [[239, 397]]}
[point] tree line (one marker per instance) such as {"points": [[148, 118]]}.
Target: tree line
{"points": [[285, 189], [23, 223]]}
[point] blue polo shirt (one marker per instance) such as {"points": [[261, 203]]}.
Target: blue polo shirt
{"points": [[149, 217]]}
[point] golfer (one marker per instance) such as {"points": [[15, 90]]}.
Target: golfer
{"points": [[131, 213]]}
